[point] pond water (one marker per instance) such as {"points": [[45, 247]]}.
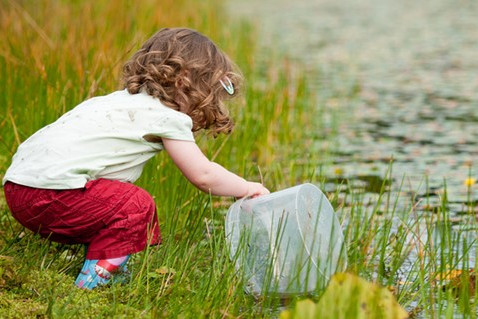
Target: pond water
{"points": [[396, 79], [400, 78]]}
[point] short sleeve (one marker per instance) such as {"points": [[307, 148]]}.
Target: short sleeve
{"points": [[173, 125]]}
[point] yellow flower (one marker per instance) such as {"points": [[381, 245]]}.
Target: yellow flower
{"points": [[338, 171], [470, 181]]}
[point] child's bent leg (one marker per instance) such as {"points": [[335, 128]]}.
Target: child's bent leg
{"points": [[114, 218], [129, 230]]}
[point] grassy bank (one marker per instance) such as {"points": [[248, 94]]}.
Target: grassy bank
{"points": [[57, 53]]}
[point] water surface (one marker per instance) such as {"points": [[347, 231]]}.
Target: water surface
{"points": [[396, 80]]}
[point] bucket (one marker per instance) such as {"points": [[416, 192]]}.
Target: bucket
{"points": [[287, 242]]}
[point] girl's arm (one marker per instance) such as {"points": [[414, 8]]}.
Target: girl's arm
{"points": [[208, 176]]}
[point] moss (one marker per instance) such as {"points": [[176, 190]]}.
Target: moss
{"points": [[14, 306]]}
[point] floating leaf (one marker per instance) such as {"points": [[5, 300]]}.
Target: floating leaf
{"points": [[459, 280], [449, 274]]}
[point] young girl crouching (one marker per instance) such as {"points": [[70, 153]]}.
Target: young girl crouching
{"points": [[71, 181]]}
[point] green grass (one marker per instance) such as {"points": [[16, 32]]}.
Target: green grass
{"points": [[57, 53]]}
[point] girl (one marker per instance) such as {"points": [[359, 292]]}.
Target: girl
{"points": [[72, 180]]}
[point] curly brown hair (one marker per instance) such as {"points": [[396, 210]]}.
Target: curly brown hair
{"points": [[183, 68]]}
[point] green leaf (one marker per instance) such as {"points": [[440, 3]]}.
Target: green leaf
{"points": [[349, 296]]}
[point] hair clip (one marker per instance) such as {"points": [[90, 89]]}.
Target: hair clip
{"points": [[228, 87]]}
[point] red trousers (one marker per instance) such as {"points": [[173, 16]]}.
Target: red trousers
{"points": [[112, 217]]}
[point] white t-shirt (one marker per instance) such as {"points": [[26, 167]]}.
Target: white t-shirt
{"points": [[102, 137]]}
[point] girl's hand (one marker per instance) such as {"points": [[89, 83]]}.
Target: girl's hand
{"points": [[256, 189]]}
